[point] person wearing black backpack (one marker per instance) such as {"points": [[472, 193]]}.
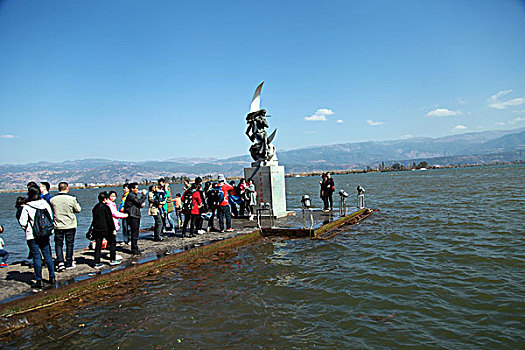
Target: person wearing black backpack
{"points": [[36, 219], [187, 206]]}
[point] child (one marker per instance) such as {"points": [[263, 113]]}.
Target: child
{"points": [[3, 254]]}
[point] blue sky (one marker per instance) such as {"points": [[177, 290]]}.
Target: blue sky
{"points": [[154, 80]]}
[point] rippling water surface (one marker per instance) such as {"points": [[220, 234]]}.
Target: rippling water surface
{"points": [[440, 266]]}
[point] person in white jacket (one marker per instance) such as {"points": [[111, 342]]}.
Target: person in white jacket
{"points": [[37, 245]]}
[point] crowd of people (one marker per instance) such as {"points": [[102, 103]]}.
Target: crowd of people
{"points": [[202, 204], [194, 212]]}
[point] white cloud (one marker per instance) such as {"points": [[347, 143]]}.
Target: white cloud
{"points": [[459, 128], [443, 112], [316, 118], [516, 120], [406, 137], [7, 136], [339, 120], [494, 100], [373, 123], [511, 122], [325, 111], [319, 115]]}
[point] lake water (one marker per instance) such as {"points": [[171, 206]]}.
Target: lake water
{"points": [[442, 265]]}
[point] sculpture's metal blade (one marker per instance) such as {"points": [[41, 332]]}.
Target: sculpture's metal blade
{"points": [[256, 100], [270, 138]]}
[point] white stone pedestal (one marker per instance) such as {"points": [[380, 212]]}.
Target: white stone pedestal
{"points": [[270, 187]]}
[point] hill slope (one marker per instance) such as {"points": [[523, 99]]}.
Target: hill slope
{"points": [[470, 148]]}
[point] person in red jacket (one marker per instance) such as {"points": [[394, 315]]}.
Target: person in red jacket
{"points": [[192, 202], [196, 202], [223, 209]]}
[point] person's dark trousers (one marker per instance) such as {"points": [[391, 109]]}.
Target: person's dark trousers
{"points": [[98, 248], [223, 211], [112, 246], [250, 209], [163, 220], [325, 202], [198, 222], [37, 246], [134, 225], [330, 200], [159, 224], [178, 215], [168, 222], [125, 230], [194, 218], [69, 235], [242, 206], [4, 254], [187, 218]]}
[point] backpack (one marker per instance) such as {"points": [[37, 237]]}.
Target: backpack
{"points": [[216, 195], [187, 201], [42, 224]]}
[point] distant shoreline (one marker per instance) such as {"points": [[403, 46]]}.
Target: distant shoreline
{"points": [[389, 169], [303, 174]]}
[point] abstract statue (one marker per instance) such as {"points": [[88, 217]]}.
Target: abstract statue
{"points": [[262, 149]]}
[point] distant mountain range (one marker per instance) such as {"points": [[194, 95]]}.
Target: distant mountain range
{"points": [[470, 148]]}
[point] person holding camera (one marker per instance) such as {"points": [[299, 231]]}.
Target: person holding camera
{"points": [[132, 207]]}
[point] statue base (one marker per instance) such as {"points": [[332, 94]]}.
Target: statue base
{"points": [[270, 186]]}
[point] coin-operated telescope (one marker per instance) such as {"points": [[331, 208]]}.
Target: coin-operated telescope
{"points": [[360, 197]]}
